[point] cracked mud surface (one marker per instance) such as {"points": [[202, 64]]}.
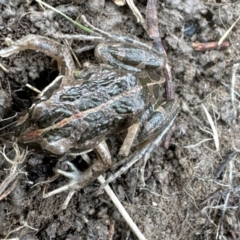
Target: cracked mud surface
{"points": [[182, 198]]}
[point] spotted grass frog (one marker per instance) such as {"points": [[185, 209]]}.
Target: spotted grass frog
{"points": [[75, 115]]}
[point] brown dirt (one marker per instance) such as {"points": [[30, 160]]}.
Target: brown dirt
{"points": [[182, 199]]}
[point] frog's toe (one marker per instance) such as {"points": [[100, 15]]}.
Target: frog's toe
{"points": [[74, 175], [6, 52], [15, 46]]}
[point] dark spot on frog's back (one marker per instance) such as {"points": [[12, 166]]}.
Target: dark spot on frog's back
{"points": [[120, 78], [98, 124], [89, 102], [127, 105], [70, 94], [122, 84], [95, 91], [96, 117], [57, 134]]}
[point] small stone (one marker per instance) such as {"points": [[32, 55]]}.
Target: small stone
{"points": [[154, 204]]}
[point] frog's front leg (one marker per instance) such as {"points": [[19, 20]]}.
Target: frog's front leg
{"points": [[45, 45], [80, 179]]}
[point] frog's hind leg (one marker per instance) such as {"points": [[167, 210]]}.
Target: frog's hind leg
{"points": [[147, 147], [43, 44], [103, 55]]}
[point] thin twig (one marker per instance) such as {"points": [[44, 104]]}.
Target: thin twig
{"points": [[25, 224], [33, 88], [81, 37], [224, 164], [119, 2], [203, 47], [234, 70], [14, 171], [3, 68], [214, 129], [64, 15], [84, 49], [136, 13], [153, 32], [111, 230], [229, 87], [226, 200], [152, 24], [3, 186], [121, 209], [227, 32]]}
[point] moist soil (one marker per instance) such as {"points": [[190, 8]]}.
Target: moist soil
{"points": [[191, 192]]}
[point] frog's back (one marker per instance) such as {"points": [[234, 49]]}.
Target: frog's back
{"points": [[86, 111], [108, 104]]}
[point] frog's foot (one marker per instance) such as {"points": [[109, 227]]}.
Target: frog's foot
{"points": [[73, 185], [79, 179]]}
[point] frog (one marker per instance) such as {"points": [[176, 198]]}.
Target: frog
{"points": [[74, 115]]}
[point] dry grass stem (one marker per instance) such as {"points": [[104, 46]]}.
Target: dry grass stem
{"points": [[234, 69], [203, 47], [25, 224], [73, 54], [224, 164], [3, 186], [14, 170], [119, 2], [227, 32], [33, 88], [214, 129], [52, 179], [229, 87], [111, 230], [199, 143], [230, 186], [65, 16], [150, 191], [213, 206], [3, 68], [121, 209], [136, 13], [226, 201], [18, 159]]}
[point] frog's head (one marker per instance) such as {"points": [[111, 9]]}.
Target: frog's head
{"points": [[38, 140]]}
